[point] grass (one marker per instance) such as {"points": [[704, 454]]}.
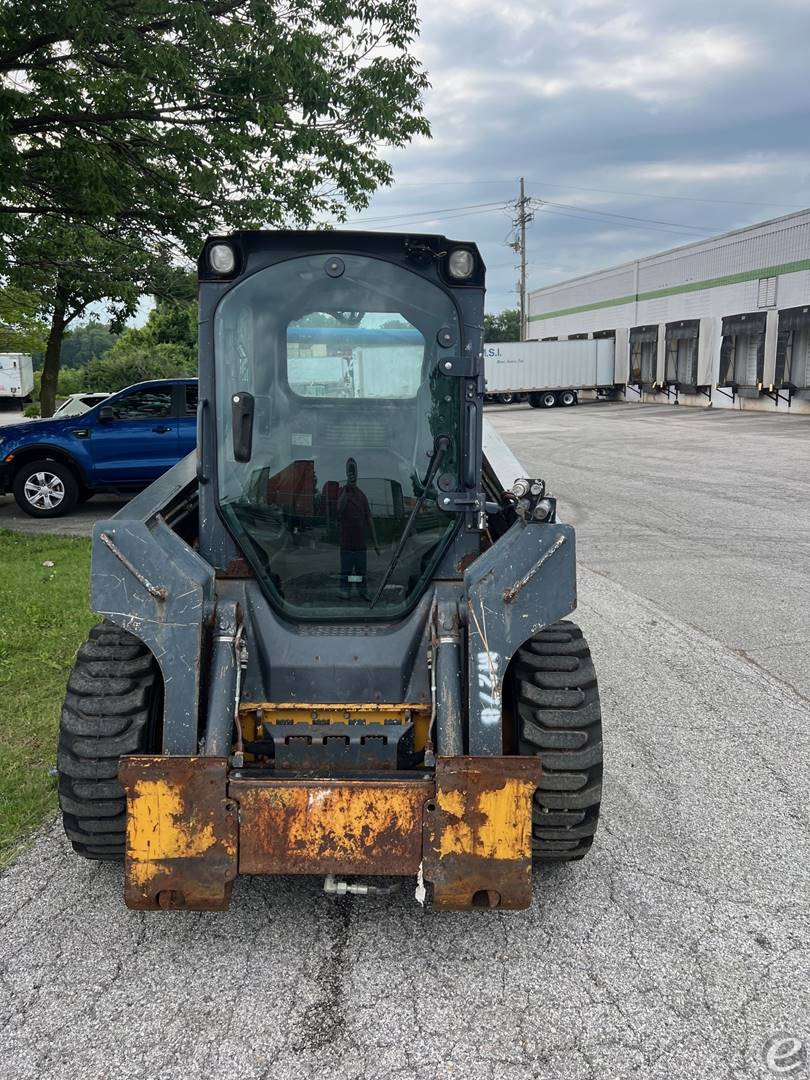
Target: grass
{"points": [[44, 617]]}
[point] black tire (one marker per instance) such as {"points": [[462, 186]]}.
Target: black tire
{"points": [[57, 486], [505, 399], [568, 398], [556, 703], [547, 400], [112, 707]]}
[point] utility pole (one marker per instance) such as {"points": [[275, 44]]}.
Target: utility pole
{"points": [[522, 218]]}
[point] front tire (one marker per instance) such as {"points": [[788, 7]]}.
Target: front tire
{"points": [[112, 707], [556, 703], [46, 489]]}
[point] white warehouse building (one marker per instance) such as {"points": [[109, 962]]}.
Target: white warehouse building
{"points": [[724, 321]]}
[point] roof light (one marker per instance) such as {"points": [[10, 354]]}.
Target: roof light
{"points": [[222, 258], [461, 263]]}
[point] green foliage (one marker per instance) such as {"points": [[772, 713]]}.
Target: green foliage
{"points": [[502, 327], [85, 343], [165, 347], [169, 118], [21, 326], [45, 619], [129, 131]]}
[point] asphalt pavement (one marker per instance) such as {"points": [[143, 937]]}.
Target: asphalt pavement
{"points": [[678, 949]]}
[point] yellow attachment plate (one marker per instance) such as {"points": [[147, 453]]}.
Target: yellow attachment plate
{"points": [[477, 842], [330, 826], [253, 714], [182, 833]]}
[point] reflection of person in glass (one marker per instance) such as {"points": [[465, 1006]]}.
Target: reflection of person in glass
{"points": [[355, 522]]}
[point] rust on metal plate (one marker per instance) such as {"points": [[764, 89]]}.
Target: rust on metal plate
{"points": [[477, 842], [330, 826], [182, 833]]}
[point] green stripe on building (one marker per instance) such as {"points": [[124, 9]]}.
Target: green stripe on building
{"points": [[686, 287]]}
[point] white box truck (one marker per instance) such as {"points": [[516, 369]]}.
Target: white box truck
{"points": [[547, 372], [16, 376]]}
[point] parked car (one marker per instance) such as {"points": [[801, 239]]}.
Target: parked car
{"points": [[122, 444], [76, 404]]}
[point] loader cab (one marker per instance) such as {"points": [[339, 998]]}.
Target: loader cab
{"points": [[341, 415]]}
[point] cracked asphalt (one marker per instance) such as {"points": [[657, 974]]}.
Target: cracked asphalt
{"points": [[676, 950]]}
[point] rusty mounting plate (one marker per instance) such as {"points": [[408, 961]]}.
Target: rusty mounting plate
{"points": [[477, 838], [182, 833], [330, 826]]}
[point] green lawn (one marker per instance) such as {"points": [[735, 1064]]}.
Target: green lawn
{"points": [[44, 617]]}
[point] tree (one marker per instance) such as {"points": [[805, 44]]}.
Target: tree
{"points": [[173, 116], [143, 126], [21, 328], [70, 267], [85, 343], [502, 327]]}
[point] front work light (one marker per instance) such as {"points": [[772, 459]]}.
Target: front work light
{"points": [[222, 258], [460, 263]]}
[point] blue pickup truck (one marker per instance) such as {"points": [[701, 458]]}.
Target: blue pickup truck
{"points": [[121, 445]]}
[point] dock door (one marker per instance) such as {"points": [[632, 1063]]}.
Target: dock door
{"points": [[644, 356], [793, 350], [742, 352], [682, 355]]}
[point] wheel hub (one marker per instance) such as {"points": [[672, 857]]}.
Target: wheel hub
{"points": [[44, 490]]}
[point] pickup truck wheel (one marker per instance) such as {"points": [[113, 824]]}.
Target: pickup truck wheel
{"points": [[555, 701], [112, 707], [46, 489]]}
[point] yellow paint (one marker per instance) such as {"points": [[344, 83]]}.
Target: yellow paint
{"points": [[504, 832], [254, 714], [158, 827]]}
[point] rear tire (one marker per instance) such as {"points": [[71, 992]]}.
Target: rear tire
{"points": [[556, 703], [505, 399], [112, 707], [568, 397]]}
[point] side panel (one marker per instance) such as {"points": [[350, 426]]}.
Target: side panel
{"points": [[525, 581], [147, 580]]}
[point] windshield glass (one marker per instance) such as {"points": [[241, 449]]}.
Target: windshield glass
{"points": [[337, 359]]}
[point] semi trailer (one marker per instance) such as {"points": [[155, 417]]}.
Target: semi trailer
{"points": [[547, 373]]}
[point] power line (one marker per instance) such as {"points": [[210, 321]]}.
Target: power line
{"points": [[628, 217], [421, 213], [603, 191], [621, 224]]}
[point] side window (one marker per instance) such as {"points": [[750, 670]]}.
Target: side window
{"points": [[192, 394], [144, 405]]}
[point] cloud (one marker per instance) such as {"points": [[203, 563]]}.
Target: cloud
{"points": [[636, 107]]}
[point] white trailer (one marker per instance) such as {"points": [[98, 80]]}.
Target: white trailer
{"points": [[16, 376], [548, 372]]}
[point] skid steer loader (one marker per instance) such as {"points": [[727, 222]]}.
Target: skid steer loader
{"points": [[333, 639]]}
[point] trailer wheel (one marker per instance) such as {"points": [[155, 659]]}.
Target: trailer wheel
{"points": [[113, 706], [505, 399], [568, 397], [556, 706]]}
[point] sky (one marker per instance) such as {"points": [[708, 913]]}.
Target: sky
{"points": [[693, 116]]}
